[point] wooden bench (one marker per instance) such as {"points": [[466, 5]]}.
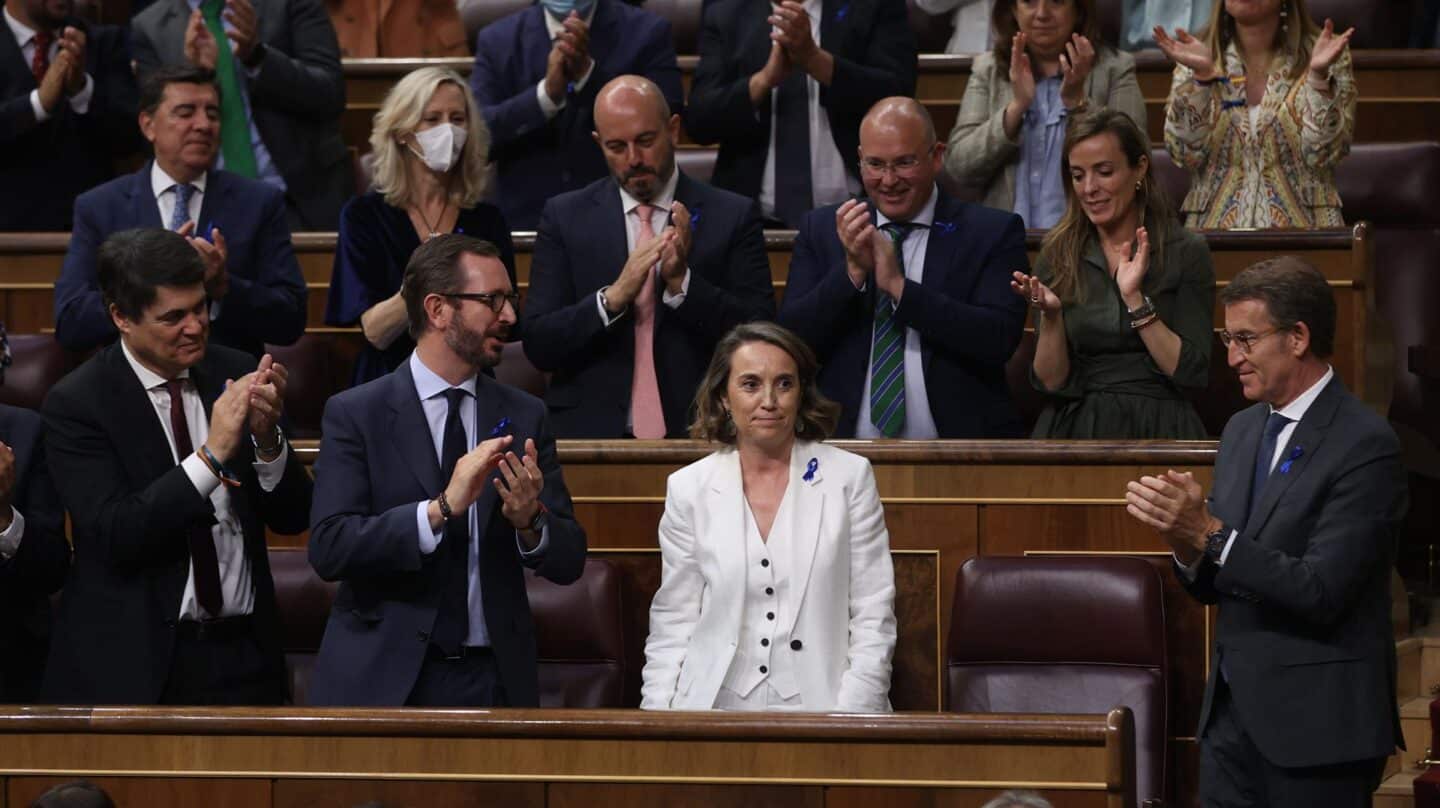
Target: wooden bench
{"points": [[1399, 91], [279, 758]]}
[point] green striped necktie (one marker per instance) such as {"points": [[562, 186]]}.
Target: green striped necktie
{"points": [[887, 349]]}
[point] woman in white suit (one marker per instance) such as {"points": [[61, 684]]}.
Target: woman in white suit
{"points": [[776, 590]]}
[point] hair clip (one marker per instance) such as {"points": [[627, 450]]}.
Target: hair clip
{"points": [[500, 427]]}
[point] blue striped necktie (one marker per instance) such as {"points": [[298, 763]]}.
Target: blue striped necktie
{"points": [[181, 214], [887, 349]]}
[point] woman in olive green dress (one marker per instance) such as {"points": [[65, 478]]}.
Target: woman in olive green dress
{"points": [[1124, 297]]}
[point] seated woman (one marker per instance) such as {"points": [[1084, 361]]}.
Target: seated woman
{"points": [[430, 147], [1261, 110], [1125, 297], [776, 589], [1047, 64]]}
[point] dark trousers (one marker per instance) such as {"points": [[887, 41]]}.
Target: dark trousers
{"points": [[220, 664], [1233, 773], [471, 680]]}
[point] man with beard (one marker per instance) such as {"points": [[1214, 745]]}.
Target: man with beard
{"points": [[67, 97], [168, 454], [637, 276], [435, 486]]}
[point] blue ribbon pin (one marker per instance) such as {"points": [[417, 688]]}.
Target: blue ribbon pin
{"points": [[694, 219], [810, 469], [1294, 455], [845, 9], [500, 427], [943, 228]]}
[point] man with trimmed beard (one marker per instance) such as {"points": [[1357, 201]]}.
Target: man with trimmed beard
{"points": [[435, 486], [637, 276]]}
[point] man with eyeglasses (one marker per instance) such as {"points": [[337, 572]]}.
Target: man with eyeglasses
{"points": [[637, 276], [1295, 545], [905, 295], [435, 487]]}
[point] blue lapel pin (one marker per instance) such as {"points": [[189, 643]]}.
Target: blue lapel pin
{"points": [[810, 469], [500, 427], [694, 219], [943, 228], [845, 9], [1295, 454]]}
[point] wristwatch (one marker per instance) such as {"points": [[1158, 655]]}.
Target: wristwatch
{"points": [[1215, 543], [1147, 308], [542, 515]]}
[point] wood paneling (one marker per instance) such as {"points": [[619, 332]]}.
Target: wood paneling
{"points": [[126, 792], [842, 797], [405, 794], [571, 795]]}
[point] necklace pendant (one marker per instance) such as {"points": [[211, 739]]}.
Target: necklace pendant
{"points": [[433, 234]]}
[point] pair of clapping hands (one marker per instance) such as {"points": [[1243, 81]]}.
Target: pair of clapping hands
{"points": [[1129, 274], [670, 250]]}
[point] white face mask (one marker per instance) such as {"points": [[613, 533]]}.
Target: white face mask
{"points": [[440, 146]]}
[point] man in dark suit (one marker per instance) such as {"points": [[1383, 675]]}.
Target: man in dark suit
{"points": [[1300, 709], [286, 68], [67, 96], [427, 537], [903, 295], [536, 75], [637, 276], [237, 226], [34, 555], [782, 88], [169, 457]]}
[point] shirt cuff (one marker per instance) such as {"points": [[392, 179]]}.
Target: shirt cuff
{"points": [[80, 102], [200, 475], [1225, 553], [11, 536], [674, 301], [269, 472], [429, 539], [539, 551], [216, 306], [579, 84], [605, 317], [41, 116], [547, 107]]}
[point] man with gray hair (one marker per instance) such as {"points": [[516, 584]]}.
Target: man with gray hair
{"points": [[1300, 708], [637, 276]]}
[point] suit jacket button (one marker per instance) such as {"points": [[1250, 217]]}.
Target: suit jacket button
{"points": [[796, 645], [422, 636]]}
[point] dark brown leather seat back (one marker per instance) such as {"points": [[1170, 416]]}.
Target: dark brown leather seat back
{"points": [[698, 164], [1064, 635], [932, 31], [1028, 400], [1377, 23], [515, 370], [478, 15], [684, 19], [38, 362], [316, 372], [577, 627]]}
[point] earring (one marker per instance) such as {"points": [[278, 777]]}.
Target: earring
{"points": [[1284, 13], [799, 427], [1139, 183]]}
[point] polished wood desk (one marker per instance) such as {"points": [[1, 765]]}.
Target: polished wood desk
{"points": [[277, 758], [30, 263], [1399, 91]]}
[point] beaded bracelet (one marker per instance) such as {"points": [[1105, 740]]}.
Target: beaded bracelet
{"points": [[1144, 321], [217, 468]]}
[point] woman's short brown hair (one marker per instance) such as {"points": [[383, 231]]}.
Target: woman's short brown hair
{"points": [[817, 416], [1004, 26]]}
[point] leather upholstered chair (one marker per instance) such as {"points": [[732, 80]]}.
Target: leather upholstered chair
{"points": [[316, 372], [698, 163], [577, 627], [38, 362], [1074, 634], [1377, 23], [684, 19], [1029, 401]]}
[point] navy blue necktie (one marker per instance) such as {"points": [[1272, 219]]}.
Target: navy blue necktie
{"points": [[1274, 425], [794, 196], [452, 623]]}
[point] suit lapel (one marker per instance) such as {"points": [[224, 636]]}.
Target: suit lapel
{"points": [[724, 504], [487, 417], [834, 15], [211, 203], [806, 513], [611, 246], [132, 407], [11, 54], [754, 36], [143, 210], [537, 37], [410, 432], [1294, 459], [941, 255]]}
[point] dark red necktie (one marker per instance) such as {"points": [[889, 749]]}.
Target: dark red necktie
{"points": [[40, 62], [202, 541]]}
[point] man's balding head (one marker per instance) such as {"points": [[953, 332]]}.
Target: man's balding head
{"points": [[637, 134], [899, 156]]}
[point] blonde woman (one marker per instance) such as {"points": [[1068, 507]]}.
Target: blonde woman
{"points": [[430, 144], [1261, 109]]}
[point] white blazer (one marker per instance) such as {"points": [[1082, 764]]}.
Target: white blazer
{"points": [[840, 560]]}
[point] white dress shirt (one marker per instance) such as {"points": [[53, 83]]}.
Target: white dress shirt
{"points": [[10, 537], [762, 672], [555, 28], [229, 537], [431, 389], [919, 421], [659, 215], [829, 182], [25, 38], [1295, 410]]}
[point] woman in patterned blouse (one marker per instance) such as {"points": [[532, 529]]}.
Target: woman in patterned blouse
{"points": [[1261, 109]]}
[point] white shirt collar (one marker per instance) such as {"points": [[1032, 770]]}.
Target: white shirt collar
{"points": [[149, 379], [160, 182], [23, 33], [554, 26], [428, 383], [1296, 409], [662, 200], [926, 216]]}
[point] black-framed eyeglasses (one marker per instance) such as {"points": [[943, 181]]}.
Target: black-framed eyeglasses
{"points": [[495, 300], [1246, 340]]}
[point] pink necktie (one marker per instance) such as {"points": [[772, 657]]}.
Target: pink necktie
{"points": [[647, 418]]}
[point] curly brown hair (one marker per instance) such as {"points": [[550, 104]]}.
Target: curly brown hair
{"points": [[817, 415]]}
